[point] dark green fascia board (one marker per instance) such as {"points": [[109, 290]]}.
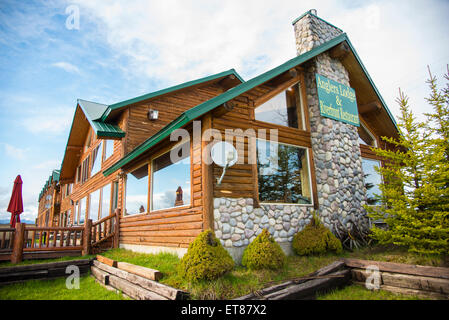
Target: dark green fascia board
{"points": [[211, 104], [313, 15], [168, 90]]}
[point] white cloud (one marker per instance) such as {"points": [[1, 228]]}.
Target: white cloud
{"points": [[48, 120], [174, 41], [67, 67], [14, 152]]}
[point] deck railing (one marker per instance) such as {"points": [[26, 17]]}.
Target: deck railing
{"points": [[29, 239], [103, 230], [6, 238]]}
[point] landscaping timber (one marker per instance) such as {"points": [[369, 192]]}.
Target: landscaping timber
{"points": [[416, 270], [423, 281], [326, 278], [140, 271], [132, 290], [107, 261], [10, 275], [127, 280]]}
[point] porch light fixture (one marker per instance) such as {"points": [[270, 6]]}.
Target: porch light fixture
{"points": [[153, 114]]}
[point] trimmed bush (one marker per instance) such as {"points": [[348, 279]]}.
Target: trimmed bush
{"points": [[263, 253], [205, 259], [315, 238]]}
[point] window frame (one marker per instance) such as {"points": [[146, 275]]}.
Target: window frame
{"points": [[363, 126], [380, 164], [150, 206], [301, 118], [99, 158], [309, 169], [125, 188]]}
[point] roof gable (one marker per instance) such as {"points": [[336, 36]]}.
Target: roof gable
{"points": [[117, 106]]}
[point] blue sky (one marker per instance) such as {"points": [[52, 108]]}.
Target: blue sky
{"points": [[123, 49]]}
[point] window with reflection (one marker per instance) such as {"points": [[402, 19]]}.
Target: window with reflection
{"points": [[372, 180], [96, 159], [136, 197], [283, 173], [366, 137], [109, 148], [94, 205], [75, 213], [171, 180], [283, 109], [82, 211], [105, 201]]}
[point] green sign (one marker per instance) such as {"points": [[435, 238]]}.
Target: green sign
{"points": [[337, 101]]}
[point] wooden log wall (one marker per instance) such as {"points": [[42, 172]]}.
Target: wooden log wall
{"points": [[139, 128], [82, 190]]}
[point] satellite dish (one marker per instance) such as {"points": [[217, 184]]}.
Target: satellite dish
{"points": [[224, 155]]}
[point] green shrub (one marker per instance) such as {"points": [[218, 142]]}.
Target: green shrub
{"points": [[315, 238], [205, 259], [263, 253]]}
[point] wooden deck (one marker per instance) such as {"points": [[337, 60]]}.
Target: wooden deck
{"points": [[30, 242]]}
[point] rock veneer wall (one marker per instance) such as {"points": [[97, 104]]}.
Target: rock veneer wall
{"points": [[335, 145], [237, 222]]}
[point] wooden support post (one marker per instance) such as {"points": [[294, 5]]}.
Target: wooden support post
{"points": [[87, 237], [117, 228], [17, 252], [207, 178]]}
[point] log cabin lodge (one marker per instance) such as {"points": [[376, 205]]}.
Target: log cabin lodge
{"points": [[118, 156]]}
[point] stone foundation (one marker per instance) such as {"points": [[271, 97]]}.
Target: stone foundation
{"points": [[237, 222]]}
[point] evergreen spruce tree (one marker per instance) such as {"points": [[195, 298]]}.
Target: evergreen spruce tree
{"points": [[415, 192]]}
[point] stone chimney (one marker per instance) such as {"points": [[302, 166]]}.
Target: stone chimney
{"points": [[312, 31], [335, 146]]}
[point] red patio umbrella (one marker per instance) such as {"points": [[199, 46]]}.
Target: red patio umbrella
{"points": [[16, 203]]}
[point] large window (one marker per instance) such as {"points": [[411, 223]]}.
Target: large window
{"points": [[96, 159], [283, 109], [75, 213], [85, 170], [105, 201], [136, 198], [372, 180], [170, 181], [94, 205], [109, 148], [82, 211], [99, 203], [283, 173]]}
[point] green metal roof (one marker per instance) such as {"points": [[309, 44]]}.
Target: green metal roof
{"points": [[53, 177], [211, 104], [93, 112], [184, 85]]}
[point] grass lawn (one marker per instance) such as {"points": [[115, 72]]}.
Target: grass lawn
{"points": [[56, 289], [241, 281], [357, 292], [238, 282]]}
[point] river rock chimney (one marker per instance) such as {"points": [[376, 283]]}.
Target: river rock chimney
{"points": [[312, 31]]}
